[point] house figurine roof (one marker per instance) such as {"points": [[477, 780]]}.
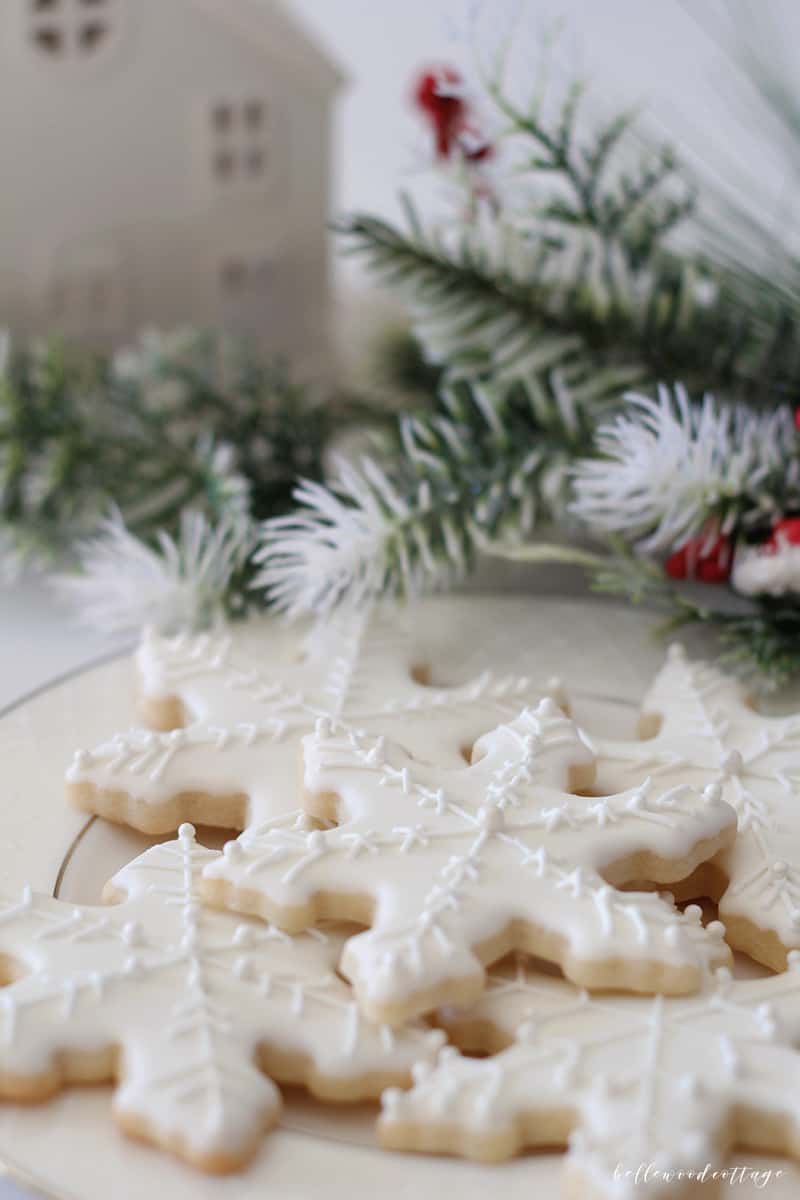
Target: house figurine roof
{"points": [[271, 22]]}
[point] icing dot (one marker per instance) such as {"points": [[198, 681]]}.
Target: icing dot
{"points": [[132, 966], [530, 744], [233, 852], [420, 1072], [636, 799], [82, 759], [716, 929], [765, 1015], [712, 793], [132, 933], [779, 868], [186, 832], [694, 913], [732, 763]]}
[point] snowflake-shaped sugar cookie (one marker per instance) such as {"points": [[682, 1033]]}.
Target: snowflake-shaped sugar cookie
{"points": [[452, 868], [650, 1094], [191, 1011], [226, 712], [703, 729]]}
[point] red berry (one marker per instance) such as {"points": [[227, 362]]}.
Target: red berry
{"points": [[701, 558], [711, 570], [787, 530], [437, 96], [675, 566], [446, 111]]}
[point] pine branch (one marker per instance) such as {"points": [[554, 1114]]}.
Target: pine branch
{"points": [[664, 470], [588, 273], [762, 638], [179, 422], [484, 468], [185, 581]]}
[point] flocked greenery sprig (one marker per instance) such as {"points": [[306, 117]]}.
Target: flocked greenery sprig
{"points": [[485, 468], [569, 293], [560, 286], [577, 272], [153, 467]]}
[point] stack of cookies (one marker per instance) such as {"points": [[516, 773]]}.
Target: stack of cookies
{"points": [[514, 970]]}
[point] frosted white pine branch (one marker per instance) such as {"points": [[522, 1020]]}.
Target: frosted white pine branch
{"points": [[665, 465], [341, 543], [182, 583]]}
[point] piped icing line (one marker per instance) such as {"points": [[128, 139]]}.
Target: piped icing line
{"points": [[624, 1081], [244, 716], [192, 1010], [708, 731], [458, 865]]}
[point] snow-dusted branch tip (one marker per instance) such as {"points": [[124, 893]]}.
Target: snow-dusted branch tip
{"points": [[666, 465], [181, 583]]}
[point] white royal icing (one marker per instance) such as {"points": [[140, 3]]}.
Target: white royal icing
{"points": [[251, 695], [453, 859], [189, 996], [710, 733], [644, 1083]]}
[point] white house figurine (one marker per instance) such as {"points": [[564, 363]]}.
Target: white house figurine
{"points": [[167, 162]]}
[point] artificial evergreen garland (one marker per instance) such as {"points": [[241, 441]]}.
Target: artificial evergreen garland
{"points": [[558, 288], [539, 314], [153, 467]]}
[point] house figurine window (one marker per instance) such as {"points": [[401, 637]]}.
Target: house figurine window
{"points": [[70, 28], [239, 141], [86, 293], [248, 290]]}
